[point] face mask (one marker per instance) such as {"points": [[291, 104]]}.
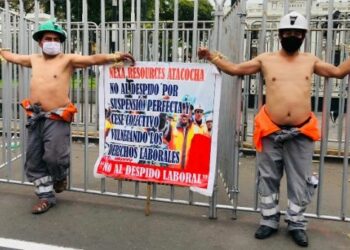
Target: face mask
{"points": [[291, 44], [51, 48]]}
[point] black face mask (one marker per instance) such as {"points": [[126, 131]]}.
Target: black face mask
{"points": [[291, 44]]}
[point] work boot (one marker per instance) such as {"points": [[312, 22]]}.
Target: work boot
{"points": [[60, 186], [264, 232], [300, 237]]}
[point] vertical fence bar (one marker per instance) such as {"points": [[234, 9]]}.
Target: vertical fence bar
{"points": [[86, 91], [194, 30], [7, 94], [325, 109], [22, 82], [174, 50], [103, 50], [156, 31], [261, 50], [238, 97], [120, 25], [316, 77], [69, 49], [52, 8], [36, 19], [308, 18], [246, 89], [69, 26], [260, 88], [342, 90], [194, 54], [78, 78], [103, 27], [219, 13], [137, 37], [163, 41], [155, 57], [344, 190], [14, 87], [145, 44]]}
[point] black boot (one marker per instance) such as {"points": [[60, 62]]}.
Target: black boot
{"points": [[264, 232], [300, 237]]}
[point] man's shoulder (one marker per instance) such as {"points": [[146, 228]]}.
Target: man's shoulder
{"points": [[64, 55], [36, 56], [304, 55], [307, 54], [308, 57], [267, 55], [72, 55]]}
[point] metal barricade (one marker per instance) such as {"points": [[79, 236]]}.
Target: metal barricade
{"points": [[326, 40], [178, 41]]}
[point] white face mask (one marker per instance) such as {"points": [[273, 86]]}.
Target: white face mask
{"points": [[51, 48]]}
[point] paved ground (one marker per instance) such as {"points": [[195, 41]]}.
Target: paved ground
{"points": [[86, 221]]}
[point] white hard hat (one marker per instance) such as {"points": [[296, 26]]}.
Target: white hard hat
{"points": [[198, 107], [209, 118], [293, 20]]}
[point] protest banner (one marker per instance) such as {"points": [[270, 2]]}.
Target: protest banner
{"points": [[157, 123]]}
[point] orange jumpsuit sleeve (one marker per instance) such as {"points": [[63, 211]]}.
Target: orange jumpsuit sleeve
{"points": [[310, 129], [263, 126], [65, 113]]}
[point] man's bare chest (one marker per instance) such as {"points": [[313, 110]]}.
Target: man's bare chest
{"points": [[279, 70]]}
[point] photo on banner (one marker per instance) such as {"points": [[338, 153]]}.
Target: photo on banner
{"points": [[159, 123]]}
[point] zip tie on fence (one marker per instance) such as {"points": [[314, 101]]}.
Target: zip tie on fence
{"points": [[117, 58]]}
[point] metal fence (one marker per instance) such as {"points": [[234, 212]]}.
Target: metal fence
{"points": [[178, 41], [326, 39]]}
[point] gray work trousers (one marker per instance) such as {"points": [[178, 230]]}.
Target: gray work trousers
{"points": [[294, 156], [47, 156]]}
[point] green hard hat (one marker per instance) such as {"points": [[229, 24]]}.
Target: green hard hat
{"points": [[50, 26]]}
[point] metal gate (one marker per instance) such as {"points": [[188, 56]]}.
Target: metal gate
{"points": [[328, 39], [176, 40]]}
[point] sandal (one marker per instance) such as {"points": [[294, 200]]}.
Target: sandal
{"points": [[41, 207], [60, 186]]}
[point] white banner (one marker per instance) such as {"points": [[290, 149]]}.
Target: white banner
{"points": [[160, 123]]}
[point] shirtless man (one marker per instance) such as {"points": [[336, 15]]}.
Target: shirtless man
{"points": [[285, 127], [50, 111]]}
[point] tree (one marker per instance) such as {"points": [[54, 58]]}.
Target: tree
{"points": [[186, 7], [27, 5], [166, 10]]}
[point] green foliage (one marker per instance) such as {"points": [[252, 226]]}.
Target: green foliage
{"points": [[77, 83], [186, 7], [166, 10]]}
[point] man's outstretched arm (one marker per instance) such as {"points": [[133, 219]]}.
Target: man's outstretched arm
{"points": [[344, 68], [23, 60], [80, 61], [245, 68], [329, 70]]}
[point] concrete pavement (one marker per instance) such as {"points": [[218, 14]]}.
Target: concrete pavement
{"points": [[86, 221]]}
